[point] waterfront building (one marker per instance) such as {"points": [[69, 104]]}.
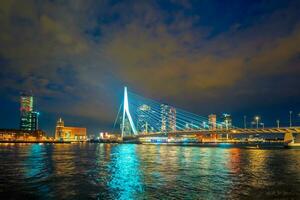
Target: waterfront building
{"points": [[28, 117], [26, 107], [168, 118], [227, 121], [164, 117], [109, 137], [143, 112], [13, 135], [172, 119], [212, 121], [65, 133], [35, 120]]}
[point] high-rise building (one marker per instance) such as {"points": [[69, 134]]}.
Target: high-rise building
{"points": [[28, 117], [164, 117], [35, 120], [227, 121], [168, 118], [144, 112], [172, 119], [212, 121]]}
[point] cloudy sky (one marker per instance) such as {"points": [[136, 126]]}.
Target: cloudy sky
{"points": [[238, 57]]}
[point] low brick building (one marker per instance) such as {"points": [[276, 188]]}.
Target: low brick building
{"points": [[21, 135], [73, 134]]}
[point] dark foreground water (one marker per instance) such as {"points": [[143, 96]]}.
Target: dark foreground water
{"points": [[128, 171]]}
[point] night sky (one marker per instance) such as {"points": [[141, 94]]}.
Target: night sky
{"points": [[238, 57]]}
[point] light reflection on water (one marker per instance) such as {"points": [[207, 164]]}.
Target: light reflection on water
{"points": [[127, 171], [124, 169]]}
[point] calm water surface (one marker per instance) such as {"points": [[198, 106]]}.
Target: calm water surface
{"points": [[128, 171]]}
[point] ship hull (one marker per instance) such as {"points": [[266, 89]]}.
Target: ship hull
{"points": [[292, 145]]}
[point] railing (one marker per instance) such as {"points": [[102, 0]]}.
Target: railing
{"points": [[229, 131]]}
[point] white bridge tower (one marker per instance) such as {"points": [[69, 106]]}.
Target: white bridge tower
{"points": [[127, 113]]}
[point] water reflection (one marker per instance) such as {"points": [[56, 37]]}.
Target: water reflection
{"points": [[234, 160], [112, 171], [37, 168], [35, 164], [124, 169], [63, 159], [176, 171]]}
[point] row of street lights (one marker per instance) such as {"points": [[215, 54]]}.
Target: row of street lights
{"points": [[257, 119], [291, 112]]}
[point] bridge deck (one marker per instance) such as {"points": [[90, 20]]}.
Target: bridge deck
{"points": [[229, 131]]}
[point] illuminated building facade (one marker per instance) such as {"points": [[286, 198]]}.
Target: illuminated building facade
{"points": [[143, 118], [35, 120], [172, 119], [168, 118], [28, 117], [164, 117], [65, 133], [21, 135], [227, 121], [212, 121]]}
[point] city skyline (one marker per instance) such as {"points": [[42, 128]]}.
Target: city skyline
{"points": [[208, 57], [149, 99], [165, 117]]}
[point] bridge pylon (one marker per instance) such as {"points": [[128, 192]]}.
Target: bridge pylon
{"points": [[126, 113]]}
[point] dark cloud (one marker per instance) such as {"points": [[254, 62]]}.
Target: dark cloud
{"points": [[77, 55]]}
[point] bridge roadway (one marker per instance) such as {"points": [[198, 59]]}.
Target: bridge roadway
{"points": [[282, 130]]}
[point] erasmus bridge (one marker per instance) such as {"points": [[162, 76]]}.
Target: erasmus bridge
{"points": [[140, 117]]}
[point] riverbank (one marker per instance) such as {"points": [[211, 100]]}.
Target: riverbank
{"points": [[247, 145], [24, 141]]}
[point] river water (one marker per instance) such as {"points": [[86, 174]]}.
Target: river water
{"points": [[130, 171]]}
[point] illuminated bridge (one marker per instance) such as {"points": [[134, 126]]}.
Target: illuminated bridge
{"points": [[140, 117]]}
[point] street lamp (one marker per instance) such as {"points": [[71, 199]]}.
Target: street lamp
{"points": [[256, 119], [291, 112], [277, 121]]}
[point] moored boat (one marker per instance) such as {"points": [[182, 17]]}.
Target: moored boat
{"points": [[291, 141]]}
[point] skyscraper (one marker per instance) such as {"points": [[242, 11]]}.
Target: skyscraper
{"points": [[164, 117], [227, 121], [168, 118], [172, 119], [212, 121], [28, 117], [144, 112], [34, 120]]}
